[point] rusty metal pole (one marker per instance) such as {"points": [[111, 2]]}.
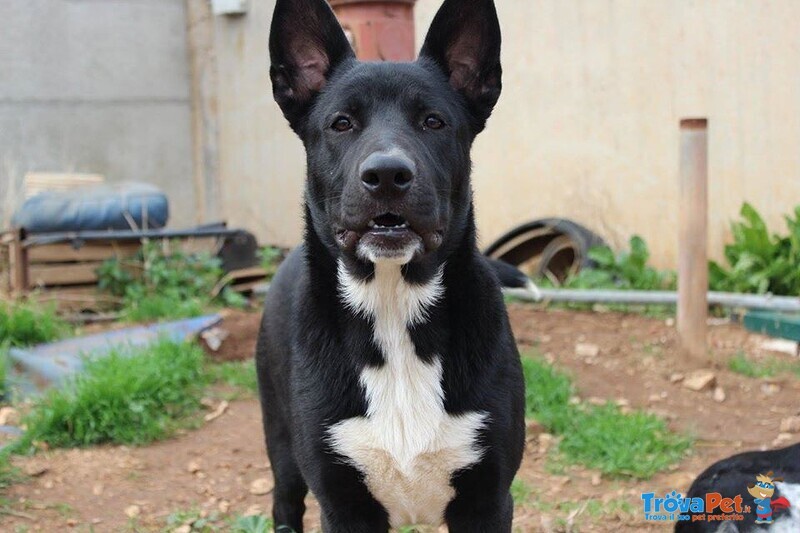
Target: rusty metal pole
{"points": [[379, 30], [693, 236]]}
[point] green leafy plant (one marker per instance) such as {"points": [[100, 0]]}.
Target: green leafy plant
{"points": [[760, 262], [160, 284], [635, 444], [253, 524], [271, 257], [131, 396], [627, 269]]}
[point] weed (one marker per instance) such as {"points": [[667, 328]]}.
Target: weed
{"points": [[238, 374], [765, 368], [194, 519], [165, 284], [520, 491], [157, 306], [271, 258], [3, 368], [624, 444], [131, 396], [8, 473], [25, 324], [760, 262], [623, 270], [253, 524]]}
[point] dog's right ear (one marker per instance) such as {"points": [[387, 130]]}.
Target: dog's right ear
{"points": [[306, 43]]}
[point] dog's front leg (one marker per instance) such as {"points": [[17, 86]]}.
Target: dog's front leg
{"points": [[346, 504], [348, 518], [467, 515]]}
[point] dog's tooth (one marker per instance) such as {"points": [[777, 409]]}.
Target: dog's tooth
{"points": [[371, 224]]}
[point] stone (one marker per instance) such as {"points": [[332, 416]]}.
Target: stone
{"points": [[585, 349], [132, 511], [790, 424], [700, 380], [261, 486], [718, 394], [9, 416]]}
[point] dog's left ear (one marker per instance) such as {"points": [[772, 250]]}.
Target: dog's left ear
{"points": [[306, 43], [464, 40]]}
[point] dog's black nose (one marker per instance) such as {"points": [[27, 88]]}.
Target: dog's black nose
{"points": [[387, 175]]}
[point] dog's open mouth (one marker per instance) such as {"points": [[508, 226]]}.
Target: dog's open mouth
{"points": [[387, 222]]}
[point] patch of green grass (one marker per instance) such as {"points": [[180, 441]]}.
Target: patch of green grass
{"points": [[520, 491], [3, 368], [8, 474], [238, 374], [633, 444], [765, 368], [26, 324], [253, 524], [194, 519], [131, 396], [162, 307]]}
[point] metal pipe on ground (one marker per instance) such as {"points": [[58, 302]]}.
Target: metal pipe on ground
{"points": [[787, 304]]}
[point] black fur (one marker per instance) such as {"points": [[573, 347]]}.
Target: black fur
{"points": [[731, 477], [312, 348]]}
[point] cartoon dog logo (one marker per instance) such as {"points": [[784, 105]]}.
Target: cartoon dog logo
{"points": [[762, 491]]}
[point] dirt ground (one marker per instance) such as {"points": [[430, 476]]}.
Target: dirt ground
{"points": [[216, 467]]}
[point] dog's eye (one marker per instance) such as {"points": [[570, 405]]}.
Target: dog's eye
{"points": [[434, 122], [342, 124]]}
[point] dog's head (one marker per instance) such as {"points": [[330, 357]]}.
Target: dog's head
{"points": [[387, 143]]}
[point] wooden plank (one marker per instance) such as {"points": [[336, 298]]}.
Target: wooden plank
{"points": [[692, 239], [76, 298], [36, 182], [773, 324], [64, 274], [63, 253], [18, 257]]}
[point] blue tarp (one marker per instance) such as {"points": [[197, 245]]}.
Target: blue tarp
{"points": [[129, 205], [49, 364]]}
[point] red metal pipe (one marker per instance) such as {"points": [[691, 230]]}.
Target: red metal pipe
{"points": [[379, 30]]}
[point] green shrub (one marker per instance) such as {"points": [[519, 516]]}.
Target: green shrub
{"points": [[131, 396], [627, 269], [166, 285], [271, 257], [760, 262], [26, 324]]}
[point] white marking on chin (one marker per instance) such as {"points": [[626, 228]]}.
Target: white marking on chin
{"points": [[407, 446], [378, 254]]}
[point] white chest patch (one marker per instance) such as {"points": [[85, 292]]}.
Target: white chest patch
{"points": [[407, 446]]}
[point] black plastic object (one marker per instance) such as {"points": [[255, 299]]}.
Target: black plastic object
{"points": [[550, 247], [239, 250]]}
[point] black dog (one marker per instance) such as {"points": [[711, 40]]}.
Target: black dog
{"points": [[390, 382], [739, 475]]}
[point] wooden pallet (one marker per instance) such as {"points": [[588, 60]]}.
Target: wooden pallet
{"points": [[67, 274]]}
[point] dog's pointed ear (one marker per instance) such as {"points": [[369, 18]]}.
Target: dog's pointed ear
{"points": [[464, 40], [306, 43]]}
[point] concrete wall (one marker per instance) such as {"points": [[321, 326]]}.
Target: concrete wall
{"points": [[96, 86], [261, 161], [587, 127]]}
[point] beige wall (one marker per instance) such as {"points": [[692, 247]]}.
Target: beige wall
{"points": [[587, 127]]}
